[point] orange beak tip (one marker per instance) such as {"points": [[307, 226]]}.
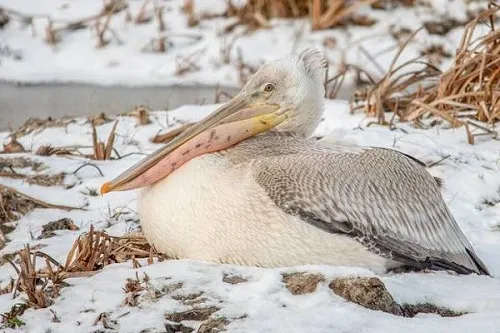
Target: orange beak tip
{"points": [[106, 188]]}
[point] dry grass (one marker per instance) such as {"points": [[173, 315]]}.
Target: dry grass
{"points": [[189, 63], [48, 230], [89, 254], [213, 325], [191, 299], [40, 179], [102, 151], [99, 119], [48, 150], [13, 146], [141, 113], [30, 282], [196, 314], [96, 249], [234, 279], [133, 289], [467, 94], [255, 14], [55, 28], [4, 18], [471, 84], [14, 204], [169, 135], [10, 163], [11, 319], [37, 125]]}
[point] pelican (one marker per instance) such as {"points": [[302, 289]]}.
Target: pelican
{"points": [[248, 185]]}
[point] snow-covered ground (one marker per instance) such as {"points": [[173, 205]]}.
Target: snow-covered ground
{"points": [[125, 60], [262, 304]]}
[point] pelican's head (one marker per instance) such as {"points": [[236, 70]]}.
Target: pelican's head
{"points": [[284, 95], [295, 84]]}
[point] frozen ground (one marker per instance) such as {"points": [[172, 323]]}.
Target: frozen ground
{"points": [[128, 60], [262, 304]]}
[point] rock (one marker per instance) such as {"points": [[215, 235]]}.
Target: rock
{"points": [[369, 292], [302, 283]]}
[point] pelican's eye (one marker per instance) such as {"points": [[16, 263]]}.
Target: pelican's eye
{"points": [[269, 87]]}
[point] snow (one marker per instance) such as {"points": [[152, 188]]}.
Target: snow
{"points": [[262, 304], [124, 62]]}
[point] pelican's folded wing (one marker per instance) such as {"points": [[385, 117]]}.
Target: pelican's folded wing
{"points": [[380, 197]]}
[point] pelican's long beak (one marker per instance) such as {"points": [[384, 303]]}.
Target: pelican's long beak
{"points": [[234, 122]]}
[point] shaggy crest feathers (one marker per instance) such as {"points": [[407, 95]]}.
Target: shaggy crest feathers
{"points": [[314, 63]]}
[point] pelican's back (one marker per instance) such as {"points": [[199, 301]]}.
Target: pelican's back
{"points": [[382, 198]]}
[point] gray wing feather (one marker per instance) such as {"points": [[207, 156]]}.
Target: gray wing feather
{"points": [[380, 197]]}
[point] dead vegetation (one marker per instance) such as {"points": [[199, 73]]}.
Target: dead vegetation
{"points": [[213, 325], [99, 23], [89, 254], [102, 151], [106, 322], [133, 289], [8, 168], [48, 150], [39, 179], [10, 163], [188, 63], [256, 14], [141, 113], [13, 146], [233, 279], [169, 135], [4, 18], [55, 28], [96, 249], [11, 319], [36, 125], [48, 230], [14, 204], [137, 289], [467, 94], [195, 314], [442, 26], [190, 299]]}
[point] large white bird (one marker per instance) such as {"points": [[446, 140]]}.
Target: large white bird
{"points": [[247, 185]]}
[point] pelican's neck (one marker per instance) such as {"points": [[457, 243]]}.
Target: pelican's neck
{"points": [[304, 118]]}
